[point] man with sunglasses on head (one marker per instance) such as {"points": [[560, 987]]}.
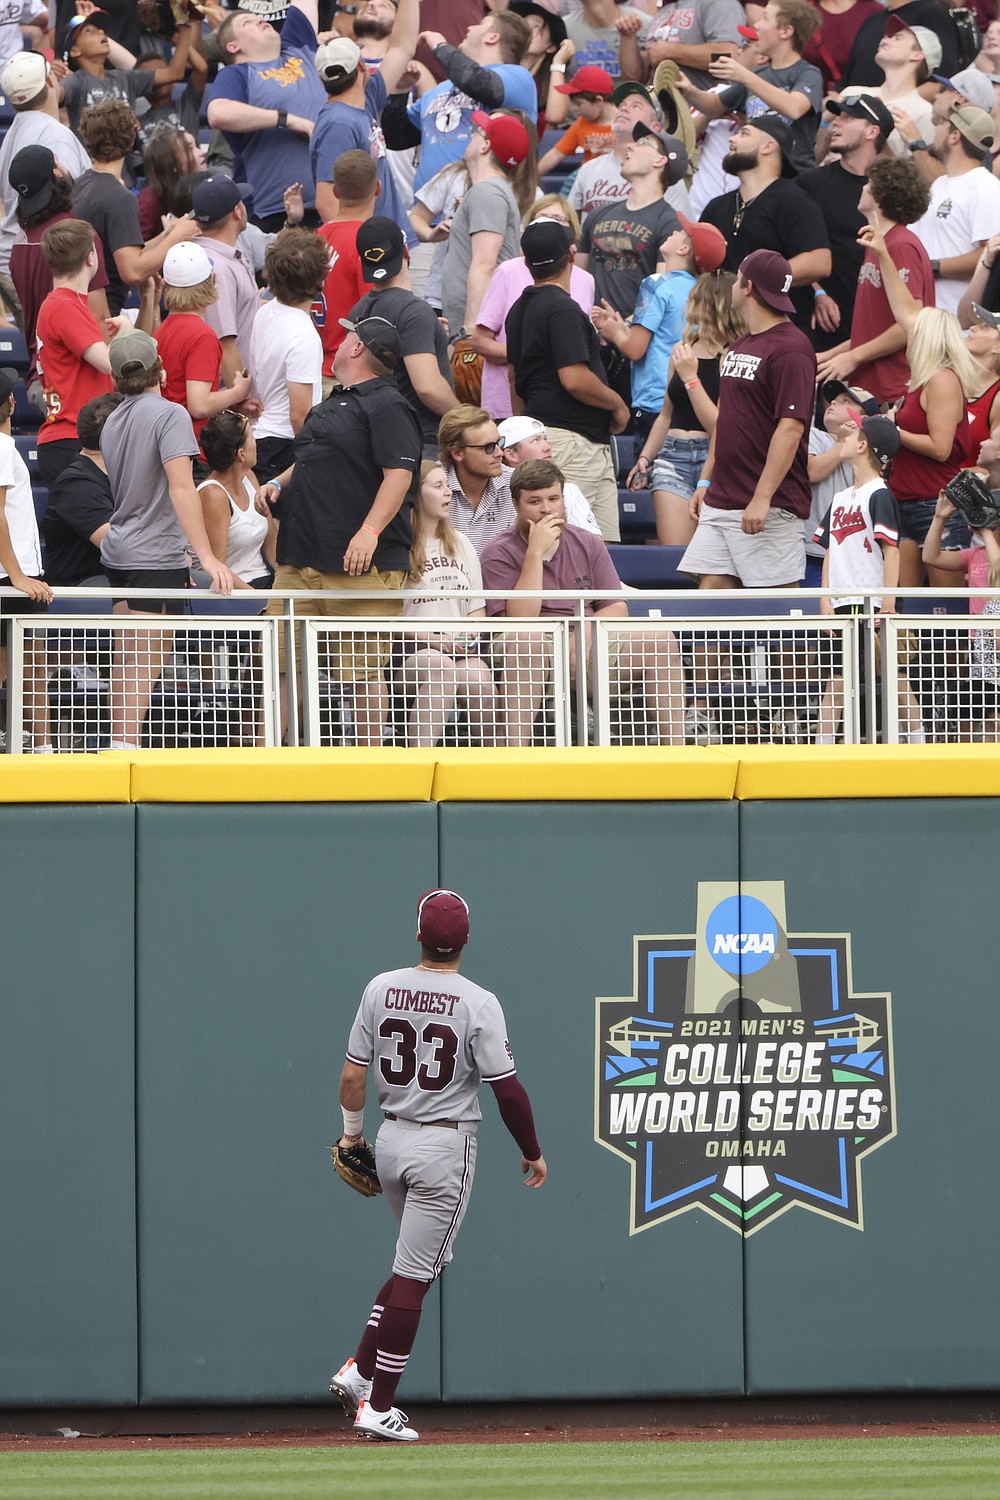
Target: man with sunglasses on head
{"points": [[471, 456]]}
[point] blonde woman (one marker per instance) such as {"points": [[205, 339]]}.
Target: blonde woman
{"points": [[674, 453], [506, 285], [442, 674], [189, 349]]}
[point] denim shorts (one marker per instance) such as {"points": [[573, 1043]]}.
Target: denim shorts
{"points": [[678, 465], [915, 517]]}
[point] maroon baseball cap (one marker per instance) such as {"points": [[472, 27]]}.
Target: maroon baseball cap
{"points": [[508, 138], [442, 921], [771, 277]]}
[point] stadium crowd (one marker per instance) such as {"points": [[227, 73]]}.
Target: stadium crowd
{"points": [[405, 295]]}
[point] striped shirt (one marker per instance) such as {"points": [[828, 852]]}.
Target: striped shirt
{"points": [[493, 514]]}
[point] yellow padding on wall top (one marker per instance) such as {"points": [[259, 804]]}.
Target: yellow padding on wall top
{"points": [[773, 772], [63, 778], [584, 775], [291, 775]]}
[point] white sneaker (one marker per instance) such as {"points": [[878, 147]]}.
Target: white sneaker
{"points": [[351, 1386], [390, 1426]]}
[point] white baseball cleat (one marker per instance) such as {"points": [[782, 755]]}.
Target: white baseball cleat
{"points": [[351, 1386], [389, 1426]]}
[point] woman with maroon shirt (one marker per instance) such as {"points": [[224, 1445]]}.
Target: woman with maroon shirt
{"points": [[830, 45]]}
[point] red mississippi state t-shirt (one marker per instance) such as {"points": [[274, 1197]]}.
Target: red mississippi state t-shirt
{"points": [[765, 376], [66, 327], [190, 350]]}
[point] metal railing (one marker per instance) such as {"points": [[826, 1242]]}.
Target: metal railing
{"points": [[682, 667]]}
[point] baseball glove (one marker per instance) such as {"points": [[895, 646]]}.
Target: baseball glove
{"points": [[973, 499], [356, 1165]]}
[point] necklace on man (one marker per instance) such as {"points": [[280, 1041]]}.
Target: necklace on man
{"points": [[743, 205]]}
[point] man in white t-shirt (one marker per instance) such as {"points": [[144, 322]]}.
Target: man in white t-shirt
{"points": [[15, 15], [964, 209], [286, 352]]}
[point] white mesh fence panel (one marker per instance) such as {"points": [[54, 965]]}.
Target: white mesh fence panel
{"points": [[942, 679], [87, 683], [426, 683], [733, 681]]}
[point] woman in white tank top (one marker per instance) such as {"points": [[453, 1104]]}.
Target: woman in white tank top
{"points": [[239, 534]]}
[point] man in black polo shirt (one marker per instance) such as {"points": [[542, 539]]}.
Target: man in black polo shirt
{"points": [[768, 212], [342, 520], [555, 355], [424, 372]]}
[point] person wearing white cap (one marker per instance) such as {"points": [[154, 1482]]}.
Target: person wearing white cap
{"points": [[522, 438], [862, 69], [265, 100], [351, 117], [906, 56], [965, 201], [29, 85], [189, 348]]}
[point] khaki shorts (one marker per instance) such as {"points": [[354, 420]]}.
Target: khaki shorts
{"points": [[353, 658], [772, 559]]}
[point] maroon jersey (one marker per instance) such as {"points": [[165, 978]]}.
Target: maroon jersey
{"points": [[764, 377]]}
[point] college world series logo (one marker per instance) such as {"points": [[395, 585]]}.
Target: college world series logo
{"points": [[745, 1075]]}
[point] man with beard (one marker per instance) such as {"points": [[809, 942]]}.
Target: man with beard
{"points": [[965, 201], [350, 120], [860, 128], [44, 195], [768, 212], [372, 30]]}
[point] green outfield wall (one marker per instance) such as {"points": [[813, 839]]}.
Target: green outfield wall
{"points": [[751, 994]]}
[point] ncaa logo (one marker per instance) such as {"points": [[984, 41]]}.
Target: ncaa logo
{"points": [[741, 935]]}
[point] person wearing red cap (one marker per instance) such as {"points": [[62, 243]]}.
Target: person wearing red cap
{"points": [[486, 229], [432, 1038], [590, 133], [754, 492]]}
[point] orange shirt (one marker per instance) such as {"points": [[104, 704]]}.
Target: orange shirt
{"points": [[591, 136]]}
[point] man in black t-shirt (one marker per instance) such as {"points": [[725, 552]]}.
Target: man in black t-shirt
{"points": [[860, 129], [80, 504], [554, 353], [768, 212], [343, 525], [424, 372]]}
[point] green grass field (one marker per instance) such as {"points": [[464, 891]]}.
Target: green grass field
{"points": [[960, 1468]]}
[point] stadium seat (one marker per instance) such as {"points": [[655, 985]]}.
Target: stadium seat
{"points": [[27, 445], [13, 349], [27, 417], [644, 567], [636, 516]]}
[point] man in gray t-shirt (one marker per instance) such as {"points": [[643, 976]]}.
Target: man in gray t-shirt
{"points": [[686, 32], [431, 1038], [147, 444], [486, 229]]}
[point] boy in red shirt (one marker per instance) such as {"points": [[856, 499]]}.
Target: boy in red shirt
{"points": [[355, 187], [189, 349], [73, 358]]}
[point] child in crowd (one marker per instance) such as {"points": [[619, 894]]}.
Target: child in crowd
{"points": [[828, 471], [861, 534], [191, 350], [589, 92]]}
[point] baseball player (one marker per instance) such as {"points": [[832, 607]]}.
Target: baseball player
{"points": [[432, 1037]]}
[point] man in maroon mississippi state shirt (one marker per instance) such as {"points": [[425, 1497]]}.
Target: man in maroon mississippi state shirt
{"points": [[753, 498]]}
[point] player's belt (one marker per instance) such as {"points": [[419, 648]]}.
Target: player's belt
{"points": [[422, 1124]]}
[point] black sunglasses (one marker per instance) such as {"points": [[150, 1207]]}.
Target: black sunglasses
{"points": [[485, 447]]}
